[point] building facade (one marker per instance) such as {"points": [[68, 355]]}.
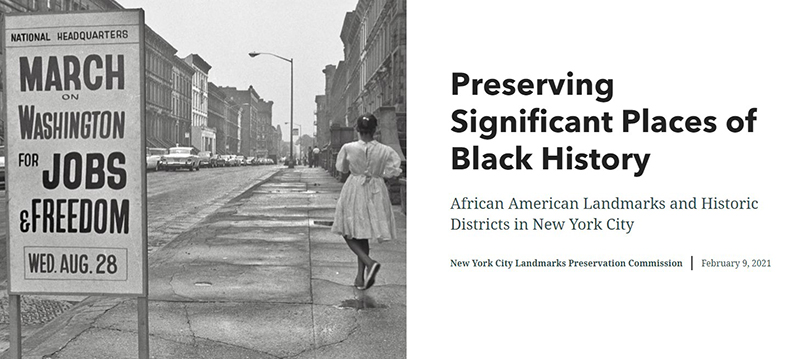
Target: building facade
{"points": [[322, 122], [203, 137], [248, 102], [217, 115], [263, 125], [335, 94], [182, 74], [233, 120], [7, 6], [372, 76], [159, 122]]}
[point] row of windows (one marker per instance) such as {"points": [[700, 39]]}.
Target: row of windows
{"points": [[372, 15], [181, 82], [157, 65], [158, 94], [58, 5], [200, 80], [199, 102], [199, 121], [161, 127], [181, 107]]}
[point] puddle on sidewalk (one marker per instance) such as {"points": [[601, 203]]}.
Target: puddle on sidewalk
{"points": [[365, 302], [202, 284]]}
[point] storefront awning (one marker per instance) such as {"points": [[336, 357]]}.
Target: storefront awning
{"points": [[152, 143]]}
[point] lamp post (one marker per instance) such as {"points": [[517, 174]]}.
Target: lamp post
{"points": [[299, 135], [291, 100]]}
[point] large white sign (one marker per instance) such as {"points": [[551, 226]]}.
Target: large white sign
{"points": [[75, 160]]}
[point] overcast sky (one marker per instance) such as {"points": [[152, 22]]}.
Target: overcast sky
{"points": [[223, 32]]}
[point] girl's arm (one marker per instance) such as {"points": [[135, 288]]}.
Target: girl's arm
{"points": [[392, 168], [342, 163]]}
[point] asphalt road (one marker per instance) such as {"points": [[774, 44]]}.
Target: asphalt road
{"points": [[176, 201]]}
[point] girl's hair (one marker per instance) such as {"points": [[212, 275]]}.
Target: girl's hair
{"points": [[366, 124]]}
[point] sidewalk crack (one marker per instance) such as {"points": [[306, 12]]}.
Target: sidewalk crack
{"points": [[88, 327], [189, 324], [316, 347]]}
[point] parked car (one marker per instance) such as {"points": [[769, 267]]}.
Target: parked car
{"points": [[232, 161], [270, 161], [218, 161], [155, 158], [205, 158], [182, 157], [240, 160], [250, 161]]}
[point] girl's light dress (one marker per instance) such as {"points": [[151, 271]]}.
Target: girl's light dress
{"points": [[364, 210]]}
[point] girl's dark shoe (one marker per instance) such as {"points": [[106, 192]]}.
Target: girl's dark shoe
{"points": [[373, 272]]}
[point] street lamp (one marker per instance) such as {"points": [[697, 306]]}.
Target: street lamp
{"points": [[291, 101], [299, 135]]}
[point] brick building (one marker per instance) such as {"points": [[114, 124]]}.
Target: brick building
{"points": [[372, 76], [217, 114], [263, 126], [159, 120], [248, 133], [203, 137], [7, 6], [182, 74], [233, 120]]}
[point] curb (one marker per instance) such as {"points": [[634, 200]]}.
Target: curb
{"points": [[59, 332]]}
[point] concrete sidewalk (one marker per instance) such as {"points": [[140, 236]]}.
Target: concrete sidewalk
{"points": [[263, 277]]}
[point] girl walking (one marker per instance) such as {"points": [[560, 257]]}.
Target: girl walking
{"points": [[364, 210]]}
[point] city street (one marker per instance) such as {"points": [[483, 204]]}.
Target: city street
{"points": [[251, 271], [176, 202]]}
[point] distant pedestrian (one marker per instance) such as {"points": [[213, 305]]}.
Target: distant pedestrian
{"points": [[308, 157], [364, 210], [315, 156]]}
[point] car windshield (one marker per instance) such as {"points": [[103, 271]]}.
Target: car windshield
{"points": [[180, 150], [156, 152]]}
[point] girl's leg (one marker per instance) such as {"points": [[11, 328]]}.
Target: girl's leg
{"points": [[363, 265], [361, 250]]}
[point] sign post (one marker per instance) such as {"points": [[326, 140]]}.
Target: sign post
{"points": [[76, 187]]}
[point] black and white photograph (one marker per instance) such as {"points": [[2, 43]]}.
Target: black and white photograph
{"points": [[203, 179], [230, 179]]}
